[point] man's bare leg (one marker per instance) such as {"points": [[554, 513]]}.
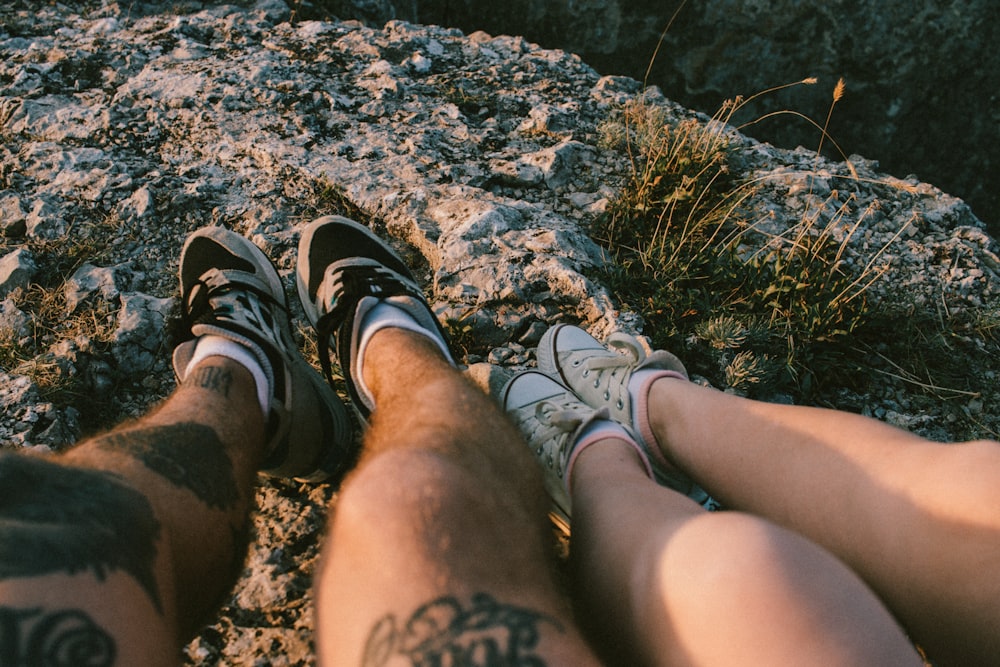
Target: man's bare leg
{"points": [[664, 582], [917, 520], [114, 552], [438, 547]]}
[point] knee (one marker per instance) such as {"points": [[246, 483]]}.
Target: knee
{"points": [[406, 491], [774, 587], [391, 484], [744, 561], [406, 509], [725, 550]]}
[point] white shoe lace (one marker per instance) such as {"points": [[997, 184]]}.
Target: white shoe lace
{"points": [[550, 427], [605, 377]]}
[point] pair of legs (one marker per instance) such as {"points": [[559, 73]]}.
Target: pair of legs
{"points": [[442, 527], [114, 552], [845, 540], [916, 520], [851, 506]]}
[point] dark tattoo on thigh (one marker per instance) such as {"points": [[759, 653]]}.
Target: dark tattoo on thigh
{"points": [[56, 519], [189, 456], [213, 378], [442, 632], [65, 638]]}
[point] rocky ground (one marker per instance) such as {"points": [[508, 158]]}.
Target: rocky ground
{"points": [[125, 127], [920, 75]]}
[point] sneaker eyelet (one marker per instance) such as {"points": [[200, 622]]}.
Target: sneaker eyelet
{"points": [[577, 363], [597, 383], [620, 404], [586, 372], [607, 395]]}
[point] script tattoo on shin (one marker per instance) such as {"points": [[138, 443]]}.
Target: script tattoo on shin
{"points": [[64, 638], [442, 632], [55, 519], [190, 456]]}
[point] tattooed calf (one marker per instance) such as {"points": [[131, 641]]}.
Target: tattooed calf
{"points": [[55, 519], [66, 638], [443, 633], [190, 456]]}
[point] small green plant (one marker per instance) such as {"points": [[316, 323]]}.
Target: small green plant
{"points": [[722, 333], [745, 370]]}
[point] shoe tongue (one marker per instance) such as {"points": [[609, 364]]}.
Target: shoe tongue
{"points": [[629, 345], [567, 421], [663, 360], [656, 359], [197, 299]]}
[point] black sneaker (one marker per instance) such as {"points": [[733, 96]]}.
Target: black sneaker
{"points": [[229, 288], [344, 270]]}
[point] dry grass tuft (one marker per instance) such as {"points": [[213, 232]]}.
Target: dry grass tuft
{"points": [[754, 310]]}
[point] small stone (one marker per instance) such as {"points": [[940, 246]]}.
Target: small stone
{"points": [[17, 269], [499, 355]]}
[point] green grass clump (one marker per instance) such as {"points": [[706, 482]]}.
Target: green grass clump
{"points": [[755, 311]]}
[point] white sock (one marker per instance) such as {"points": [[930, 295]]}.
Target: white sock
{"points": [[635, 385], [380, 316], [217, 346], [598, 430], [638, 388]]}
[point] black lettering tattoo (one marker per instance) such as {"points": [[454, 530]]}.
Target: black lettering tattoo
{"points": [[442, 633], [55, 519], [68, 638], [212, 378], [189, 456]]}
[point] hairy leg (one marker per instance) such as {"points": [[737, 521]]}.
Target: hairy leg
{"points": [[115, 551], [664, 582], [917, 520], [438, 548]]}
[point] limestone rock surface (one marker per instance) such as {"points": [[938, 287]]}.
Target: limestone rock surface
{"points": [[921, 76]]}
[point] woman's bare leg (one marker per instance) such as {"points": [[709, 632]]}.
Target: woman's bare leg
{"points": [[664, 582], [917, 520]]}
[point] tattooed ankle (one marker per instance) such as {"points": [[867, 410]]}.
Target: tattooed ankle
{"points": [[212, 378]]}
